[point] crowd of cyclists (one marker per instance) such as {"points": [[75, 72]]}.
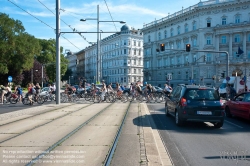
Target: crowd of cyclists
{"points": [[116, 91]]}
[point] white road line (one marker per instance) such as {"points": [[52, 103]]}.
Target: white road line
{"points": [[233, 124]]}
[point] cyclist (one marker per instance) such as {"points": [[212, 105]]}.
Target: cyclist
{"points": [[118, 89], [19, 92], [5, 92], [103, 90], [68, 90], [167, 90]]}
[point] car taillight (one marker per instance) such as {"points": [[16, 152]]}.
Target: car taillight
{"points": [[222, 104], [183, 102]]}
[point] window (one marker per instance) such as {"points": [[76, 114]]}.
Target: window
{"points": [[187, 75], [208, 23], [178, 30], [209, 57], [134, 62], [125, 42], [134, 51], [224, 21], [249, 37], [172, 32], [165, 34], [134, 71], [125, 51], [139, 52], [159, 63], [178, 60], [129, 42], [194, 25], [172, 61], [208, 40], [186, 28], [194, 58], [178, 44], [237, 38], [139, 43], [237, 19], [223, 39], [194, 42], [186, 59], [159, 36], [149, 40], [134, 43]]}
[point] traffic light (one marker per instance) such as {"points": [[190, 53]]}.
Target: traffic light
{"points": [[188, 47], [162, 47], [205, 58]]}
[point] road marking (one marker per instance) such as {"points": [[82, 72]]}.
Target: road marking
{"points": [[234, 124]]}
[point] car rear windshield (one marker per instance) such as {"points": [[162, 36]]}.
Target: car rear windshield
{"points": [[201, 94]]}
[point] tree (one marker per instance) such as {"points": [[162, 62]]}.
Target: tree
{"points": [[47, 57], [67, 74], [17, 49]]}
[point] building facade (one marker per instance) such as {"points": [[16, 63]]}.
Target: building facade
{"points": [[80, 67], [218, 25], [121, 57], [71, 57]]}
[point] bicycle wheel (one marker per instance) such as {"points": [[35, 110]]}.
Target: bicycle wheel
{"points": [[40, 100], [124, 98], [13, 101], [97, 99]]}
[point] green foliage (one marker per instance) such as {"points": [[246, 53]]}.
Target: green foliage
{"points": [[67, 74], [17, 48], [47, 56]]}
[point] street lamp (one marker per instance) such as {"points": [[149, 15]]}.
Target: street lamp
{"points": [[98, 44]]}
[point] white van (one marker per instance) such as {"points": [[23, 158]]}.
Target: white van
{"points": [[235, 82]]}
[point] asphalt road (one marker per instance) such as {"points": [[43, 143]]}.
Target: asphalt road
{"points": [[200, 144]]}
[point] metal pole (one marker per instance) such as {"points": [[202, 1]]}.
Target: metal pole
{"points": [[98, 46], [58, 72], [42, 75]]}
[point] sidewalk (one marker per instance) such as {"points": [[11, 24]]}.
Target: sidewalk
{"points": [[140, 143]]}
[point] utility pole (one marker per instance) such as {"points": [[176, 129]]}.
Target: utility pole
{"points": [[98, 49], [58, 67]]}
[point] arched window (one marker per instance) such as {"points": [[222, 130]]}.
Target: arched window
{"points": [[178, 30], [194, 25], [172, 32]]}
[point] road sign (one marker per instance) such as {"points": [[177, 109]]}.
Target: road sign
{"points": [[227, 78], [10, 79]]}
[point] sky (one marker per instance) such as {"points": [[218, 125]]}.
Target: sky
{"points": [[39, 20]]}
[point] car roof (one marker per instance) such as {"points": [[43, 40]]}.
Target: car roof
{"points": [[195, 86]]}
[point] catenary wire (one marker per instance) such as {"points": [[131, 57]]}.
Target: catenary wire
{"points": [[73, 29], [39, 20]]}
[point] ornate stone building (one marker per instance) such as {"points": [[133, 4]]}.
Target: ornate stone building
{"points": [[121, 57], [219, 25]]}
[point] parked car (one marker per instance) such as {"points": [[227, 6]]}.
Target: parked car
{"points": [[44, 91], [195, 103], [239, 106]]}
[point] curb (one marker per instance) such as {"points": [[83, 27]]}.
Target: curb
{"points": [[161, 148]]}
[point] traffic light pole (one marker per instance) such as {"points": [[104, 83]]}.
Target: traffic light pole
{"points": [[225, 52]]}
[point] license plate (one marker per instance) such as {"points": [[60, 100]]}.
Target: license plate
{"points": [[204, 112]]}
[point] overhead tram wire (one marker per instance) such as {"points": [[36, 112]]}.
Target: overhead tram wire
{"points": [[73, 29], [40, 21]]}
